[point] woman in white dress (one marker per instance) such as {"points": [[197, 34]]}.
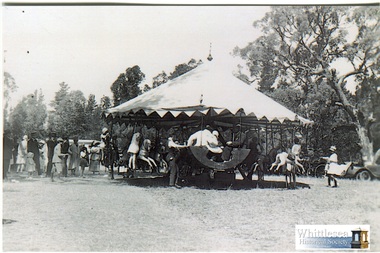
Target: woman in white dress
{"points": [[133, 150], [21, 154]]}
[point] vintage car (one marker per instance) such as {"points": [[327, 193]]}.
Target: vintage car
{"points": [[364, 173]]}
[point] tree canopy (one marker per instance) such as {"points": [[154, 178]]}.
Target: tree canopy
{"points": [[29, 115], [126, 86], [306, 47]]}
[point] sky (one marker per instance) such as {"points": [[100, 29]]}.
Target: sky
{"points": [[87, 47]]}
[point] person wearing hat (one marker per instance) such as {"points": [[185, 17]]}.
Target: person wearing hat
{"points": [[57, 160], [331, 161]]}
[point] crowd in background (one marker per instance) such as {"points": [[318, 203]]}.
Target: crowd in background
{"points": [[59, 156], [51, 156]]}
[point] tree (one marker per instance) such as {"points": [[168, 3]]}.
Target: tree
{"points": [[126, 85], [29, 115], [146, 88], [105, 102], [60, 95], [303, 46], [183, 68], [9, 87], [93, 116], [68, 118], [160, 79]]}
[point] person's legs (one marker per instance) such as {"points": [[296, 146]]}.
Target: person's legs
{"points": [[36, 159], [49, 166], [173, 173], [152, 162], [82, 171], [132, 162], [52, 170], [260, 172], [64, 166], [6, 164], [329, 178], [18, 168]]}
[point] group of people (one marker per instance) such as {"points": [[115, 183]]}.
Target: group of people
{"points": [[53, 156], [284, 160], [59, 156]]}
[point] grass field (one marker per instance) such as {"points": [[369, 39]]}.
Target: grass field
{"points": [[99, 214]]}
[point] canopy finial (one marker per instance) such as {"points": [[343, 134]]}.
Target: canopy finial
{"points": [[209, 55]]}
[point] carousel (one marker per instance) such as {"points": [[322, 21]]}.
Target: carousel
{"points": [[210, 96]]}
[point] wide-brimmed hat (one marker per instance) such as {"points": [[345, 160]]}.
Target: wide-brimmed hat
{"points": [[59, 139], [104, 130], [333, 148]]}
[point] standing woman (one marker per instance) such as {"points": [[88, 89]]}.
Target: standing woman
{"points": [[43, 156], [21, 154], [74, 156], [95, 156], [57, 160]]}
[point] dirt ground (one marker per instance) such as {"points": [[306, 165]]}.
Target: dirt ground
{"points": [[99, 214]]}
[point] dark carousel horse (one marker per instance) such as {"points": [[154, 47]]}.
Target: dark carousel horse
{"points": [[238, 155], [290, 172]]}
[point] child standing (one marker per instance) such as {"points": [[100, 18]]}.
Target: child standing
{"points": [[331, 161], [83, 159], [30, 165]]}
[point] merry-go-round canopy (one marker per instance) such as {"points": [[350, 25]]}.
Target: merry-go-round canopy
{"points": [[209, 92]]}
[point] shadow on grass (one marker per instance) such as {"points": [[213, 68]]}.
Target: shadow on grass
{"points": [[206, 183]]}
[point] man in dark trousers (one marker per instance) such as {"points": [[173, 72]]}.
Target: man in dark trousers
{"points": [[7, 152], [65, 152], [33, 147], [51, 143]]}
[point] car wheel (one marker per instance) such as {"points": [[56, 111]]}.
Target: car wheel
{"points": [[364, 175], [320, 170]]}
